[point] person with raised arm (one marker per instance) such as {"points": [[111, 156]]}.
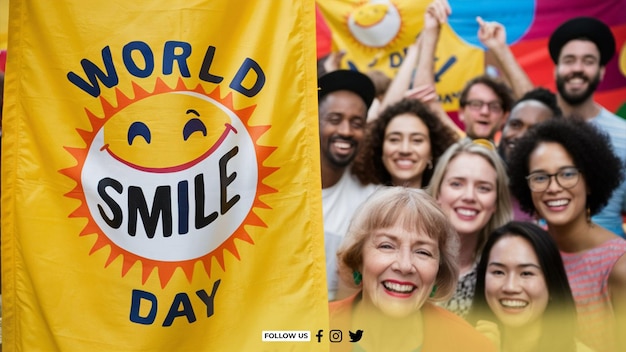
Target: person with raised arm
{"points": [[485, 102]]}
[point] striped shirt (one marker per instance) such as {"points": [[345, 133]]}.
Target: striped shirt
{"points": [[588, 274]]}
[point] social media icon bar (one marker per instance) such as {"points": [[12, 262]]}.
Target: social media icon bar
{"points": [[336, 336], [286, 335]]}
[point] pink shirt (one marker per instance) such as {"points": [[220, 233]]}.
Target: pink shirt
{"points": [[588, 275]]}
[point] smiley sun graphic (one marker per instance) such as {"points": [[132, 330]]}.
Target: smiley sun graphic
{"points": [[170, 178], [375, 24]]}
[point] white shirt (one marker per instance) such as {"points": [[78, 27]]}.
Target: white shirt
{"points": [[341, 200], [339, 203]]}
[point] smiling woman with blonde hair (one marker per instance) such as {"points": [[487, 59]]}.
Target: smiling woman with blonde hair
{"points": [[471, 186], [400, 252]]}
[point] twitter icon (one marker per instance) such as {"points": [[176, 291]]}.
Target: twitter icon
{"points": [[356, 336]]}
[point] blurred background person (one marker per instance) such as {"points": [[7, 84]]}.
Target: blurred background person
{"points": [[537, 105]]}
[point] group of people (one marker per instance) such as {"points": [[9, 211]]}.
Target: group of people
{"points": [[441, 239]]}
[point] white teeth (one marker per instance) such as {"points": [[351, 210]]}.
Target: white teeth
{"points": [[467, 212], [509, 303], [342, 145], [404, 162], [392, 286], [557, 203]]}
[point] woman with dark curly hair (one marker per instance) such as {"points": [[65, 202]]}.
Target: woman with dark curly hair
{"points": [[402, 146], [565, 170]]}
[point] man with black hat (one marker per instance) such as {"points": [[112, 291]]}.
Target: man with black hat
{"points": [[344, 96], [581, 48]]}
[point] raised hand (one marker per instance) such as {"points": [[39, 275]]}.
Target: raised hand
{"points": [[333, 61], [425, 93], [437, 14], [491, 34]]}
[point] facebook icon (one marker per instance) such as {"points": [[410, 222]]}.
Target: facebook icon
{"points": [[319, 335]]}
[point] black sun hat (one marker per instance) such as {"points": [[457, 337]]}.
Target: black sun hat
{"points": [[583, 27], [353, 81]]}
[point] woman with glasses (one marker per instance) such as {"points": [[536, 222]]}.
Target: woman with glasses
{"points": [[470, 185], [565, 171]]}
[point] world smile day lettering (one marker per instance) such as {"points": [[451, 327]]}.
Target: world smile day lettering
{"points": [[139, 61], [173, 51]]}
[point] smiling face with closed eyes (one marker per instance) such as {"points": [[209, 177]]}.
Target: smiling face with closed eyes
{"points": [[190, 123]]}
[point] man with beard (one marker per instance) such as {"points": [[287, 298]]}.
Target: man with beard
{"points": [[580, 49], [344, 97]]}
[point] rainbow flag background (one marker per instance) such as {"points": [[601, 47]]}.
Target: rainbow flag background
{"points": [[460, 54], [160, 187]]}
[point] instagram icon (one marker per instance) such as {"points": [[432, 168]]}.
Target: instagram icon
{"points": [[335, 336]]}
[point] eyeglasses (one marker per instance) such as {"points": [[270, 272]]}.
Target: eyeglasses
{"points": [[566, 177], [477, 105]]}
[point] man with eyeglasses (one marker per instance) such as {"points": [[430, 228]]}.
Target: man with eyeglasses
{"points": [[485, 104]]}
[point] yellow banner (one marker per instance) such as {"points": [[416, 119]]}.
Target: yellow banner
{"points": [[160, 177], [375, 34]]}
